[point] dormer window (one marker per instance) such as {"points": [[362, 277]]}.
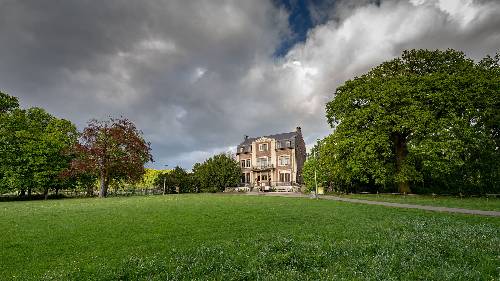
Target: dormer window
{"points": [[278, 144], [263, 147], [242, 149], [288, 143]]}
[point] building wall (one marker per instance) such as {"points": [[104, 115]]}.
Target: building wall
{"points": [[296, 153]]}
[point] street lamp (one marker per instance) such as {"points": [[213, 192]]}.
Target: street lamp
{"points": [[164, 183]]}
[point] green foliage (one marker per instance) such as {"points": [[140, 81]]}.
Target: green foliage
{"points": [[426, 120], [7, 103], [217, 173], [176, 181], [220, 237], [32, 148], [150, 177]]}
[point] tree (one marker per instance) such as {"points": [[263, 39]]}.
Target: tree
{"points": [[111, 149], [217, 173], [428, 116], [175, 181], [32, 146], [7, 103]]}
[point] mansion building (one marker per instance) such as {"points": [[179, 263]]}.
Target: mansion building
{"points": [[272, 161]]}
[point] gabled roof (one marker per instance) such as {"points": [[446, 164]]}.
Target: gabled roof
{"points": [[282, 136]]}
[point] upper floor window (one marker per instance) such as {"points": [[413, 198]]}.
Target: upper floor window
{"points": [[263, 147], [245, 163], [242, 149], [284, 160], [278, 144], [288, 143], [262, 162]]}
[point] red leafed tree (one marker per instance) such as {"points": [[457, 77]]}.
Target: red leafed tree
{"points": [[111, 149]]}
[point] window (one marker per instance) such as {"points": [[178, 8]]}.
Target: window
{"points": [[242, 149], [263, 177], [262, 162], [288, 143], [247, 177], [263, 147], [278, 144], [245, 163], [284, 177], [284, 160]]}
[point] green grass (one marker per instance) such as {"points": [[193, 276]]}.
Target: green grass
{"points": [[233, 237], [476, 203]]}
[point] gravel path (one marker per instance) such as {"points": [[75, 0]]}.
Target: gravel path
{"points": [[388, 204]]}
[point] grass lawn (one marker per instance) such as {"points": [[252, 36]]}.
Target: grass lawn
{"points": [[477, 203], [234, 237]]}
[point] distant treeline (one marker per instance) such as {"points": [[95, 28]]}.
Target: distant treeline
{"points": [[40, 153]]}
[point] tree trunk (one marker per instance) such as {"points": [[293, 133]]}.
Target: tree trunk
{"points": [[46, 193], [29, 192], [104, 186], [401, 154], [23, 192], [57, 191]]}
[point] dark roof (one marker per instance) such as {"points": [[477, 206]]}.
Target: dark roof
{"points": [[282, 136]]}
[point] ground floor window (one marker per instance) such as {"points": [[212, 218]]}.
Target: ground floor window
{"points": [[247, 177], [285, 177]]}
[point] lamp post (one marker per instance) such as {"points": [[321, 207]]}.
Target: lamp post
{"points": [[164, 183]]}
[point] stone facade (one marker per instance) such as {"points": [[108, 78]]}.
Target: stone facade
{"points": [[272, 161]]}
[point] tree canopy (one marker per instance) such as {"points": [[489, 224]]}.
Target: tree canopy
{"points": [[424, 120], [33, 147], [217, 173], [111, 149]]}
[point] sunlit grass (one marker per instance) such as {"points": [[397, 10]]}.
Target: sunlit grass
{"points": [[231, 237]]}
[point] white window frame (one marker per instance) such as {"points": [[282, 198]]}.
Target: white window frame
{"points": [[280, 161], [282, 176], [262, 145], [288, 143], [259, 162], [248, 163], [278, 144]]}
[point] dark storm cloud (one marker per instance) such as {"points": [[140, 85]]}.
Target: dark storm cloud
{"points": [[198, 75]]}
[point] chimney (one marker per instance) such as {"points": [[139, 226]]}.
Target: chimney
{"points": [[298, 130], [245, 138]]}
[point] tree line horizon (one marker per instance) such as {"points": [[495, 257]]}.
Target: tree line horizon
{"points": [[425, 122]]}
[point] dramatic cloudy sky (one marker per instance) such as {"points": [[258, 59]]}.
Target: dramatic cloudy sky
{"points": [[195, 76]]}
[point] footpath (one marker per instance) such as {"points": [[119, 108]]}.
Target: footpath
{"points": [[381, 203]]}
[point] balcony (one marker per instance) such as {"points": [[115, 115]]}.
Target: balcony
{"points": [[263, 167]]}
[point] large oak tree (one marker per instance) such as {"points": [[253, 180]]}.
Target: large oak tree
{"points": [[425, 117]]}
